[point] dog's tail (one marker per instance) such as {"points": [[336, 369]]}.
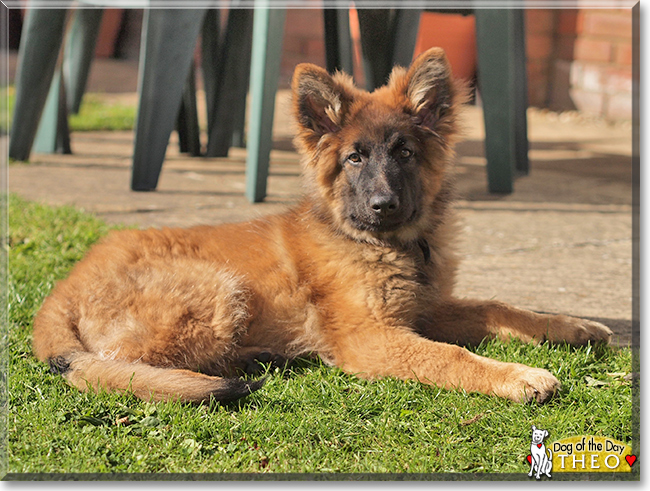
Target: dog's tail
{"points": [[90, 371], [56, 342]]}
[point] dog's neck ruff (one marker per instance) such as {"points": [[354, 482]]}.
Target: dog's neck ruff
{"points": [[426, 251]]}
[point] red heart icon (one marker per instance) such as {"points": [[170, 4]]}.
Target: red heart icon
{"points": [[539, 445], [631, 459], [529, 458]]}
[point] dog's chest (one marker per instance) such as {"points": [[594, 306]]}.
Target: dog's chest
{"points": [[392, 283]]}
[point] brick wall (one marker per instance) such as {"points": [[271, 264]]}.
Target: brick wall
{"points": [[577, 59], [600, 73], [580, 59], [303, 42], [540, 49]]}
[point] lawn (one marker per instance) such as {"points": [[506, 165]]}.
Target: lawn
{"points": [[306, 419], [95, 113]]}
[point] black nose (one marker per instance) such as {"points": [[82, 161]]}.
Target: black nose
{"points": [[384, 205]]}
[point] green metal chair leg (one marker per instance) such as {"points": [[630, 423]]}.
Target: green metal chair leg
{"points": [[268, 25], [229, 100], [520, 92], [39, 50], [79, 52], [387, 38], [405, 34], [211, 64], [501, 67], [338, 42], [241, 85], [169, 38], [53, 134], [187, 122], [376, 47]]}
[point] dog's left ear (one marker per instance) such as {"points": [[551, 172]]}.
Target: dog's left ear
{"points": [[430, 90]]}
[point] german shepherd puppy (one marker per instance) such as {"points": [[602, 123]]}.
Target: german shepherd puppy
{"points": [[360, 272]]}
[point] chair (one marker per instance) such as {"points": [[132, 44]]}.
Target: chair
{"points": [[388, 38], [166, 82], [42, 37], [501, 77]]}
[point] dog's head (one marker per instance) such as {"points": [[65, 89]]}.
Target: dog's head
{"points": [[539, 435], [375, 163]]}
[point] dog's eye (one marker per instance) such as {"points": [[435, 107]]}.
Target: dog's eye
{"points": [[354, 158], [405, 153]]}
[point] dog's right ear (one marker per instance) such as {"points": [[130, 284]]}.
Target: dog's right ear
{"points": [[320, 100]]}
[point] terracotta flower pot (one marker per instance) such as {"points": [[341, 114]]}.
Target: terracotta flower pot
{"points": [[456, 34], [110, 26]]}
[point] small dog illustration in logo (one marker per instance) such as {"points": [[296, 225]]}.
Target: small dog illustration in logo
{"points": [[540, 462]]}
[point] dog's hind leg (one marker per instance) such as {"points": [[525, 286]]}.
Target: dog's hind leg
{"points": [[181, 313], [468, 322], [147, 327], [549, 463], [251, 359]]}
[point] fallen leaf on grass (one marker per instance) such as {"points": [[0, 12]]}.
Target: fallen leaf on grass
{"points": [[592, 382], [631, 376], [616, 374], [125, 421], [472, 420]]}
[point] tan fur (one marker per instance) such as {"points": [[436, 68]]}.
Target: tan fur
{"points": [[145, 311]]}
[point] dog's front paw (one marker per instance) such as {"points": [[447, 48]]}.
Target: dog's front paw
{"points": [[578, 331], [525, 384]]}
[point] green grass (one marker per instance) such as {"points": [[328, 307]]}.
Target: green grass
{"points": [[95, 114], [307, 419]]}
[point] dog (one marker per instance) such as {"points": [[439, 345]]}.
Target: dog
{"points": [[359, 272], [541, 462]]}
